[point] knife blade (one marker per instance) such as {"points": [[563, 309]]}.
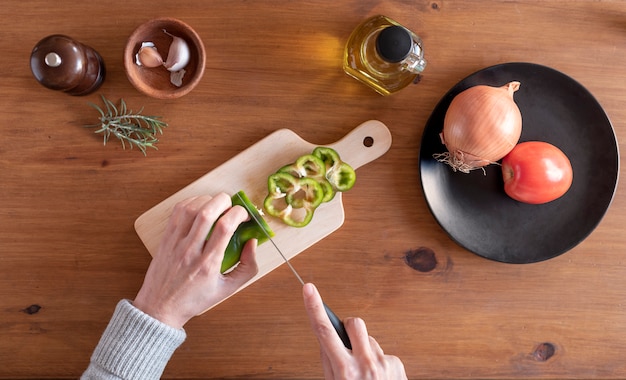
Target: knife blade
{"points": [[334, 319]]}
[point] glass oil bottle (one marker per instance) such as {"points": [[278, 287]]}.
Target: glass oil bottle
{"points": [[384, 55]]}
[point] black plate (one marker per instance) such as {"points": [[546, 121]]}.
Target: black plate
{"points": [[473, 208]]}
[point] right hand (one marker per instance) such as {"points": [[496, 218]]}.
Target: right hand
{"points": [[365, 361]]}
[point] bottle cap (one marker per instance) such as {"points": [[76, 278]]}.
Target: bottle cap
{"points": [[394, 43]]}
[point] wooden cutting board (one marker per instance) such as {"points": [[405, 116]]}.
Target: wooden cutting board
{"points": [[249, 171]]}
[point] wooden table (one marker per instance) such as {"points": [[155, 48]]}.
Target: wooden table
{"points": [[68, 250]]}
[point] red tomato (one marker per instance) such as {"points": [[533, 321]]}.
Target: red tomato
{"points": [[536, 172]]}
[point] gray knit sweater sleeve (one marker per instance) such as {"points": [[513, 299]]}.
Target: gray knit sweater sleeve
{"points": [[133, 346]]}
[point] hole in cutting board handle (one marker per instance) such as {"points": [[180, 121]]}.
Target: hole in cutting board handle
{"points": [[368, 141]]}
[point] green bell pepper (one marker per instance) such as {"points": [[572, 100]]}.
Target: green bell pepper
{"points": [[247, 230]]}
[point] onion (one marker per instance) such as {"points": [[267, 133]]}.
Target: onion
{"points": [[482, 125]]}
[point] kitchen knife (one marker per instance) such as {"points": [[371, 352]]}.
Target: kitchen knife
{"points": [[334, 319]]}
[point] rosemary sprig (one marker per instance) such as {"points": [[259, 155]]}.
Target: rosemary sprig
{"points": [[129, 127]]}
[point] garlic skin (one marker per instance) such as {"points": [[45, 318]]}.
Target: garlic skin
{"points": [[148, 56], [176, 77], [178, 55]]}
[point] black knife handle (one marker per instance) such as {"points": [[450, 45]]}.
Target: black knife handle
{"points": [[339, 327]]}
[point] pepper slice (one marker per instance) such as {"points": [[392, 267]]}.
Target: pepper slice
{"points": [[292, 199], [307, 193], [340, 175], [297, 189], [313, 167], [246, 231], [327, 188], [306, 166], [294, 217], [287, 213], [279, 184], [329, 156], [297, 192]]}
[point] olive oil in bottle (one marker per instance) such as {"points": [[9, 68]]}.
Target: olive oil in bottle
{"points": [[384, 55]]}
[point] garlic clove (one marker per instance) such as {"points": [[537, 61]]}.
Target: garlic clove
{"points": [[148, 56], [178, 55]]}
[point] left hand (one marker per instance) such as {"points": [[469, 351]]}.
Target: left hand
{"points": [[184, 278]]}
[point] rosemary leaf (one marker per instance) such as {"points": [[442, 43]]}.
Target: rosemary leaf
{"points": [[131, 128]]}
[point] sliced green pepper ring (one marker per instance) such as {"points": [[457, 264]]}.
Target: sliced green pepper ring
{"points": [[290, 169], [296, 190], [342, 177], [305, 219], [305, 166], [294, 217], [247, 230], [313, 167], [307, 193], [329, 156], [279, 184], [294, 200], [310, 166], [329, 192]]}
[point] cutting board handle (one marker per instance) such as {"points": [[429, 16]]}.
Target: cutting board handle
{"points": [[364, 143]]}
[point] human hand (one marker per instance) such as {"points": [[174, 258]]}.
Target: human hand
{"points": [[365, 361], [184, 278]]}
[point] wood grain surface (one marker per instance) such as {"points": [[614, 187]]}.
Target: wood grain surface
{"points": [[69, 252]]}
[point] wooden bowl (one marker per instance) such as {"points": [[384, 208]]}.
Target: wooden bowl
{"points": [[155, 82]]}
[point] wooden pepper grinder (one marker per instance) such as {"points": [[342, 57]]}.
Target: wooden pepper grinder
{"points": [[61, 63]]}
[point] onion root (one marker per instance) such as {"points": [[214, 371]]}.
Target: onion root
{"points": [[458, 162]]}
